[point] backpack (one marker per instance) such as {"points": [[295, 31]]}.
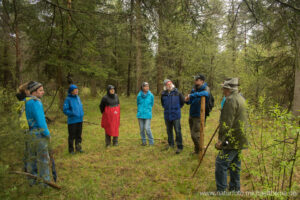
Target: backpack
{"points": [[211, 103], [22, 114]]}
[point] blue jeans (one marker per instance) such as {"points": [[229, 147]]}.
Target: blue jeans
{"points": [[177, 127], [228, 159], [38, 158], [145, 126]]}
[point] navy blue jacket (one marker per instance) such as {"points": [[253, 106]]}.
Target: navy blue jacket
{"points": [[73, 109], [172, 103], [195, 99]]}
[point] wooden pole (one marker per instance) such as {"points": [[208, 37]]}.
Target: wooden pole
{"points": [[202, 122]]}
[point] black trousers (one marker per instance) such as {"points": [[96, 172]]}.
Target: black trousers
{"points": [[108, 140], [75, 131]]}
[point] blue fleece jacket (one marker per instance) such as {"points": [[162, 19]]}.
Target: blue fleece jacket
{"points": [[36, 117], [172, 103], [73, 108], [145, 103], [195, 100]]}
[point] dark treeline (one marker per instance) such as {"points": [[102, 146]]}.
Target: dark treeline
{"points": [[125, 42]]}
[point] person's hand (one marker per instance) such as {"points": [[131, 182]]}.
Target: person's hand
{"points": [[187, 98], [218, 145]]}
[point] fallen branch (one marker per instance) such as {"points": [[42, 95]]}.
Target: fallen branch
{"points": [[53, 185]]}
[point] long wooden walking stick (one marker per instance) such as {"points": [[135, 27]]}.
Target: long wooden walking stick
{"points": [[53, 185], [200, 161]]}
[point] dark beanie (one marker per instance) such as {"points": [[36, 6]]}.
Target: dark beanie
{"points": [[33, 86], [200, 76]]}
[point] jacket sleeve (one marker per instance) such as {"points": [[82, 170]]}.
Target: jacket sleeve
{"points": [[138, 99], [161, 100], [39, 117], [81, 106], [199, 94], [67, 109], [152, 100], [181, 100], [102, 105], [227, 118]]}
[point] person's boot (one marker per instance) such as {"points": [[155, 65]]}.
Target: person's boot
{"points": [[115, 141], [178, 151], [78, 148]]}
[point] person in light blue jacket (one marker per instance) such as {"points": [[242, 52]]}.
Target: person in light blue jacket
{"points": [[74, 110], [145, 101], [39, 135]]}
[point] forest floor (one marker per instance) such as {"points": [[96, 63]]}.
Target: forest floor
{"points": [[131, 171]]}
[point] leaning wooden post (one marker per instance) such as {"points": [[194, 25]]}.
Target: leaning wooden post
{"points": [[202, 122]]}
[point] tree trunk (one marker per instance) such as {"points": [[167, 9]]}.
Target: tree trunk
{"points": [[296, 102], [130, 49], [138, 45], [18, 68], [5, 72], [159, 58]]}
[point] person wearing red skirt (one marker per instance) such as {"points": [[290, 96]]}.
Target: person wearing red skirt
{"points": [[110, 109]]}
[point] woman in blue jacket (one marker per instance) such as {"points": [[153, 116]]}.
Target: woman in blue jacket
{"points": [[145, 100], [73, 109]]}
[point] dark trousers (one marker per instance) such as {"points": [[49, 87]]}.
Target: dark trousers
{"points": [[75, 131], [194, 123], [177, 127], [108, 140]]}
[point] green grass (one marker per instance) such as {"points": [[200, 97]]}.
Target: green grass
{"points": [[130, 171]]}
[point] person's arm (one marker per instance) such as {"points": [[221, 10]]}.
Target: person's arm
{"points": [[138, 100], [39, 117], [227, 118], [152, 100], [199, 94], [161, 100], [102, 105], [67, 109], [181, 98]]}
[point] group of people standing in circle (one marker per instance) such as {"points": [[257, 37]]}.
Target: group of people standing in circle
{"points": [[33, 122]]}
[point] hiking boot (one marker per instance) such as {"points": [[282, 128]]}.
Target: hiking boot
{"points": [[167, 148], [178, 151], [144, 144], [80, 151], [194, 153]]}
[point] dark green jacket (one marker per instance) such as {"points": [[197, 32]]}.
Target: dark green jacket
{"points": [[233, 122]]}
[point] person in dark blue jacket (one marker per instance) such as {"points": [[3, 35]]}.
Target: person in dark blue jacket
{"points": [[194, 99], [39, 135], [172, 101], [145, 101], [73, 109]]}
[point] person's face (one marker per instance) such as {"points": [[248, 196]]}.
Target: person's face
{"points": [[39, 92], [112, 91], [75, 92], [199, 82], [226, 92], [169, 86], [146, 88]]}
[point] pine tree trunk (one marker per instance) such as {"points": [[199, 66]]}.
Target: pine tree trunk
{"points": [[296, 102], [18, 67], [138, 45], [130, 49], [159, 59]]}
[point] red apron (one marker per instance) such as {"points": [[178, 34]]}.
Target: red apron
{"points": [[111, 120]]}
